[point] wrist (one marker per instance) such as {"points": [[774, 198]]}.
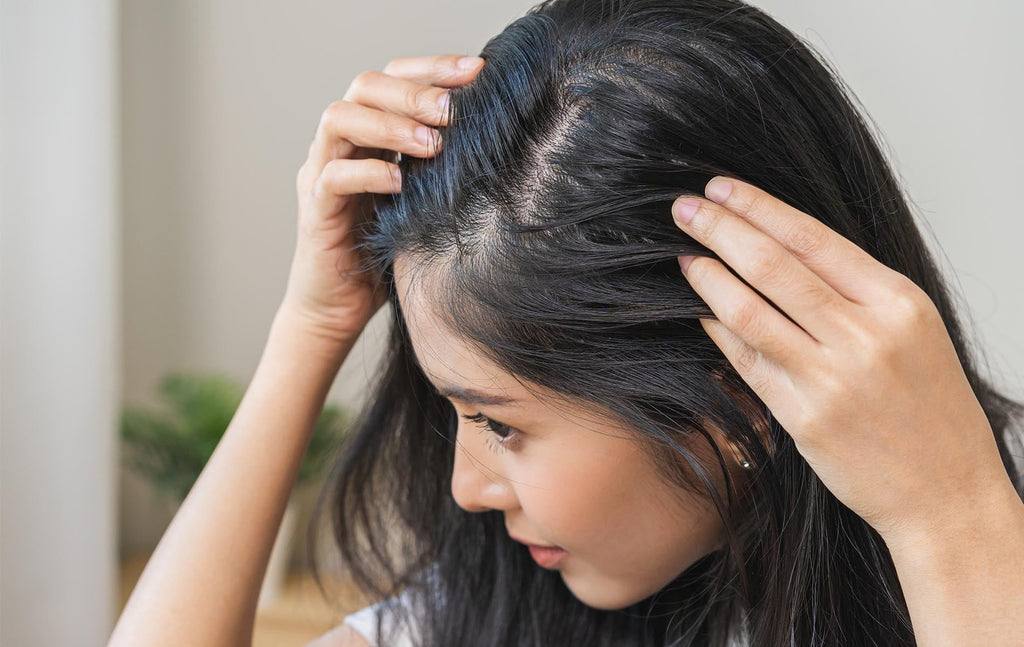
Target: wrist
{"points": [[994, 516], [961, 578], [296, 328]]}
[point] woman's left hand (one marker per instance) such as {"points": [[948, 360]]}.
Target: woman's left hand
{"points": [[866, 381]]}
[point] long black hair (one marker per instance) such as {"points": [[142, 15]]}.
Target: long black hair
{"points": [[548, 215]]}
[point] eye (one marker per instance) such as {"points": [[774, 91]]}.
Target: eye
{"points": [[507, 436]]}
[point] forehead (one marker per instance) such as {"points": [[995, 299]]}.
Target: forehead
{"points": [[446, 359]]}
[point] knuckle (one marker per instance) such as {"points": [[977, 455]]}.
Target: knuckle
{"points": [[900, 283], [877, 349], [822, 298], [334, 168], [750, 200], [419, 99], [747, 360], [361, 82], [389, 68], [745, 317], [861, 336], [446, 63], [807, 242], [394, 128], [327, 179], [765, 262], [340, 178], [333, 111], [906, 304], [319, 190], [708, 225], [909, 303], [762, 383]]}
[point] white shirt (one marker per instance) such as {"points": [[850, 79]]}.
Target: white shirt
{"points": [[365, 622]]}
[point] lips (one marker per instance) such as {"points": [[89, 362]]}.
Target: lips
{"points": [[547, 557]]}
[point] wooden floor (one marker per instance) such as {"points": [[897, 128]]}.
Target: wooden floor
{"points": [[293, 620]]}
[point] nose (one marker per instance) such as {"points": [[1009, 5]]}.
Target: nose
{"points": [[477, 483]]}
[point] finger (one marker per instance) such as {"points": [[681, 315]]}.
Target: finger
{"points": [[847, 268], [747, 315], [748, 362], [346, 125], [445, 70], [427, 104], [343, 177], [768, 267]]}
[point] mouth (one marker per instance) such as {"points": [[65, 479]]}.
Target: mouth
{"points": [[546, 555]]}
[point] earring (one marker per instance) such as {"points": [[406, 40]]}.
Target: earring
{"points": [[744, 463]]}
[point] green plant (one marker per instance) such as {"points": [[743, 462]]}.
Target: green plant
{"points": [[170, 448]]}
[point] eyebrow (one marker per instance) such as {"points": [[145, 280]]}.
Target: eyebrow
{"points": [[469, 396]]}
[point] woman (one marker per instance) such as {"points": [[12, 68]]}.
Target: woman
{"points": [[800, 453]]}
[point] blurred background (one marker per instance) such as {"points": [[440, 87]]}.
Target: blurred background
{"points": [[149, 152]]}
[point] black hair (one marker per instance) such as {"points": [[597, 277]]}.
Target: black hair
{"points": [[547, 214]]}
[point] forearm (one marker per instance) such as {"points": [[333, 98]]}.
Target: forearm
{"points": [[963, 579], [201, 585]]}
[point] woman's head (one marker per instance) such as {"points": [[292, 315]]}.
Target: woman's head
{"points": [[562, 473], [535, 257]]}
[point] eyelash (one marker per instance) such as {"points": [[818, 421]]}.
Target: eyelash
{"points": [[503, 443]]}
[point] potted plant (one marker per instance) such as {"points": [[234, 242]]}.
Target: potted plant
{"points": [[170, 447]]}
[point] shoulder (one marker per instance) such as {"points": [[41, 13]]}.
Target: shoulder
{"points": [[341, 636]]}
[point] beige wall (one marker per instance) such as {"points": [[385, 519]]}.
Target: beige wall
{"points": [[222, 97]]}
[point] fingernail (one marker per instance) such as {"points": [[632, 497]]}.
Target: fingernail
{"points": [[469, 63], [444, 101], [423, 135], [718, 189], [684, 208], [684, 262]]}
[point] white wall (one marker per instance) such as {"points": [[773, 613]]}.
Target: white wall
{"points": [[60, 333]]}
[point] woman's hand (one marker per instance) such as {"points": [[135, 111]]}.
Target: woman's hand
{"points": [[866, 381], [353, 155]]}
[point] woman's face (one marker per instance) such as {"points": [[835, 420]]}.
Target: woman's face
{"points": [[566, 476]]}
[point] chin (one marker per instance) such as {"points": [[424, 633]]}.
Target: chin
{"points": [[604, 596]]}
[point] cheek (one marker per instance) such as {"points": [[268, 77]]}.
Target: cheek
{"points": [[590, 497], [561, 501], [626, 528]]}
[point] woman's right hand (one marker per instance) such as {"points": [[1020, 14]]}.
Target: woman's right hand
{"points": [[353, 155]]}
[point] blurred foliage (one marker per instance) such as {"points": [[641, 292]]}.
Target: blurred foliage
{"points": [[170, 448]]}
